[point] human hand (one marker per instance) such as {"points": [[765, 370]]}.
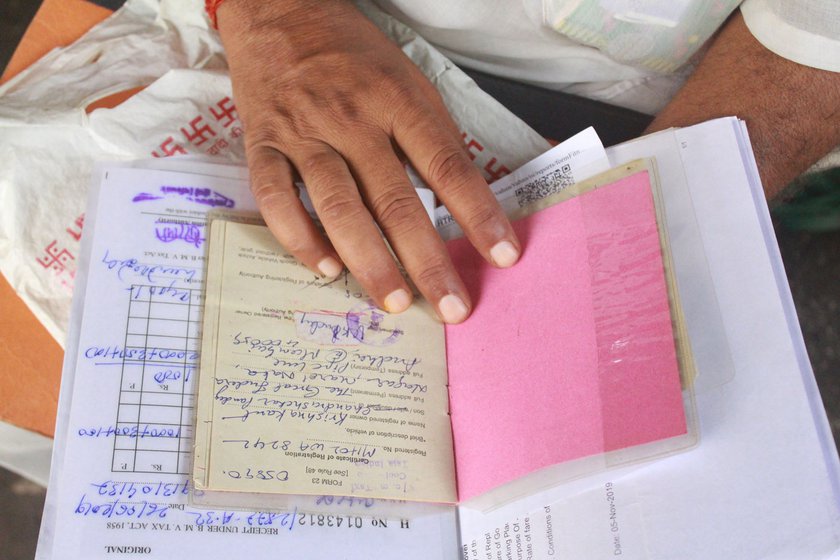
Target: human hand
{"points": [[321, 91]]}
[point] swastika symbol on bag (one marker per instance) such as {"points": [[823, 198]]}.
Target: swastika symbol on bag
{"points": [[226, 112], [199, 133], [169, 148]]}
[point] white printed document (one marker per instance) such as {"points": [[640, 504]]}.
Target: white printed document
{"points": [[123, 444], [761, 483]]}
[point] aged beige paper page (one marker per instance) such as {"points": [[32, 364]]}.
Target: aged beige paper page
{"points": [[307, 388]]}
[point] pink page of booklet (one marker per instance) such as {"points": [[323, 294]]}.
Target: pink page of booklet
{"points": [[571, 352]]}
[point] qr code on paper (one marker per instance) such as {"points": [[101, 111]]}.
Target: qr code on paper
{"points": [[548, 184]]}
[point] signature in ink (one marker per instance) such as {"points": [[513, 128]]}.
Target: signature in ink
{"points": [[189, 233]]}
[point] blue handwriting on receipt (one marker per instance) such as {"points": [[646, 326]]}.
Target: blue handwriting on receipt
{"points": [[130, 490], [149, 354], [117, 508], [139, 431], [152, 273]]}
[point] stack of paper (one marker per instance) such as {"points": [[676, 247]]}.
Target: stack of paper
{"points": [[762, 482]]}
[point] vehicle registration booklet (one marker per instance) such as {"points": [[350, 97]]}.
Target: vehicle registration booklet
{"points": [[307, 388]]}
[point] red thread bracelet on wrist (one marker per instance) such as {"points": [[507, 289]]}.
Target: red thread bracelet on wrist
{"points": [[211, 6]]}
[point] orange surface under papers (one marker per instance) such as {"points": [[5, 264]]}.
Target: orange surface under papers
{"points": [[571, 352], [25, 346]]}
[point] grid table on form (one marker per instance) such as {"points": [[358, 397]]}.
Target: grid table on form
{"points": [[155, 411]]}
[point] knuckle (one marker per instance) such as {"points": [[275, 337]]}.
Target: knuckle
{"points": [[271, 193], [270, 181], [377, 274], [434, 273], [258, 141], [272, 124], [404, 102], [296, 244], [481, 217], [263, 135], [342, 108], [396, 86], [396, 211], [347, 110], [339, 209], [318, 165], [270, 178], [406, 108], [450, 169]]}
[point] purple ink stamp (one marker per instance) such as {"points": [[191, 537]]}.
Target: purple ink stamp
{"points": [[372, 326], [198, 195]]}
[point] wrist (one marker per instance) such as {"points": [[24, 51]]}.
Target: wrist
{"points": [[291, 27], [257, 13]]}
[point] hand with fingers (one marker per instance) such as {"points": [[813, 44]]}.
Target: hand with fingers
{"points": [[322, 92]]}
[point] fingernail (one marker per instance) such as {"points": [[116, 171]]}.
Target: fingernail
{"points": [[504, 254], [452, 309], [330, 267], [397, 301]]}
